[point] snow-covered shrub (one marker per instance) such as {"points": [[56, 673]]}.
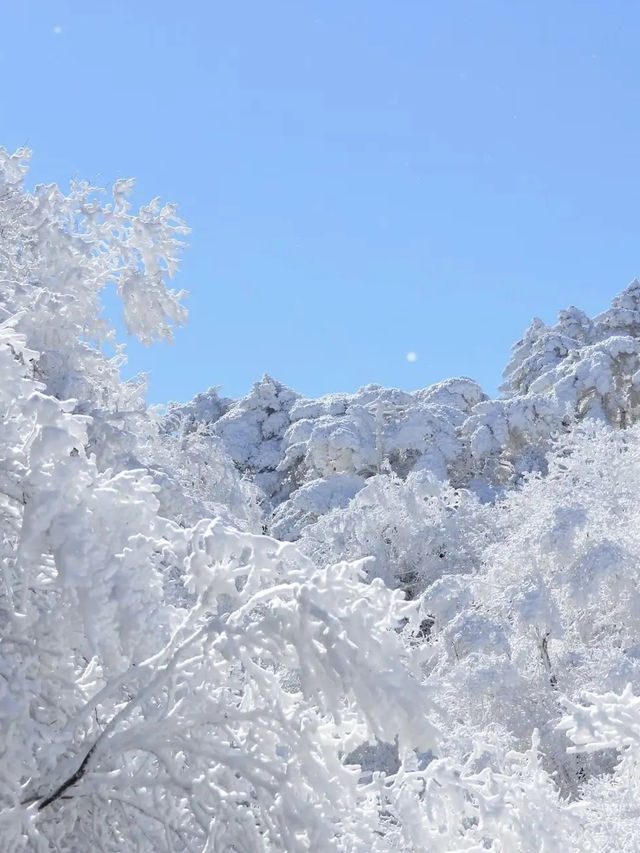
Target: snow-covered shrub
{"points": [[416, 530], [608, 722], [553, 607]]}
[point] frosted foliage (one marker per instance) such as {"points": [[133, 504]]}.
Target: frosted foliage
{"points": [[370, 622], [608, 722], [578, 368], [131, 721], [197, 479], [212, 720], [59, 252], [313, 500], [407, 527]]}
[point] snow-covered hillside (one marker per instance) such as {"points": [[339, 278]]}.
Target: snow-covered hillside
{"points": [[380, 621], [309, 456]]}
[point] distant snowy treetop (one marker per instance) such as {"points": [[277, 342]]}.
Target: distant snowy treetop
{"points": [[288, 445]]}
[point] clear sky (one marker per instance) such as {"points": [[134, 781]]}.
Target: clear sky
{"points": [[363, 178]]}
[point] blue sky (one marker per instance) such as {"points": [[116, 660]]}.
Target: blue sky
{"points": [[362, 179]]}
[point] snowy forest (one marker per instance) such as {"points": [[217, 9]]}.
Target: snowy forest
{"points": [[373, 621]]}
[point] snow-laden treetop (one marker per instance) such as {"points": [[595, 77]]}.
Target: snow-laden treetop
{"points": [[311, 455]]}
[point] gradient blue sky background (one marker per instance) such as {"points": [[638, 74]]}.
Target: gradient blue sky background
{"points": [[363, 178]]}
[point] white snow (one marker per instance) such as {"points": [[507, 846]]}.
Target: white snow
{"points": [[378, 621]]}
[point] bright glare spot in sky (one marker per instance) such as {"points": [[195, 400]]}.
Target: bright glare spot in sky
{"points": [[412, 356], [355, 174]]}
